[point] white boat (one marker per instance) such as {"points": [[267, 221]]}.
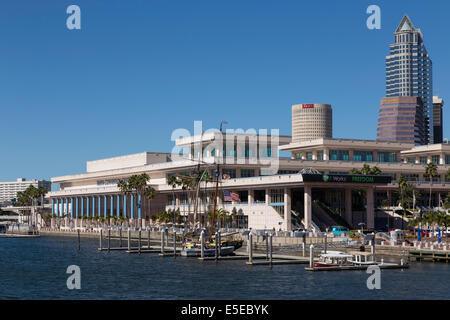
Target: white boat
{"points": [[333, 259], [362, 258], [194, 251]]}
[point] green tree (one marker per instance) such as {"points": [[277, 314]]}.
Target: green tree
{"points": [[431, 172], [137, 185]]}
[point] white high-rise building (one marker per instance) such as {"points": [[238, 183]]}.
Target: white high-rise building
{"points": [[311, 121], [8, 190]]}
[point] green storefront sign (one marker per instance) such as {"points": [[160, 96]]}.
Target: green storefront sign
{"points": [[346, 178]]}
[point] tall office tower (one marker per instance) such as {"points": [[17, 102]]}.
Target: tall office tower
{"points": [[438, 103], [401, 120], [311, 121], [409, 70]]}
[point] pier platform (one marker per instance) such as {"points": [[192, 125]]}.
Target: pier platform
{"points": [[383, 266], [429, 255]]}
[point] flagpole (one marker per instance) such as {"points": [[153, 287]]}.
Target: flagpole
{"points": [[217, 185]]}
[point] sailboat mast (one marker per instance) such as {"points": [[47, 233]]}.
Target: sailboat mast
{"points": [[215, 200]]}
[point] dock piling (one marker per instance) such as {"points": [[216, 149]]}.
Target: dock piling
{"points": [[267, 246], [174, 244], [216, 251], [311, 256], [220, 243], [271, 249], [139, 241], [250, 248], [202, 244], [162, 240], [120, 237], [100, 239], [325, 245], [78, 232], [148, 239], [129, 239], [109, 239]]}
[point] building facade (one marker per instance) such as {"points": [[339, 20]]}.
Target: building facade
{"points": [[8, 190], [311, 121], [402, 119], [264, 201], [438, 103], [409, 70]]}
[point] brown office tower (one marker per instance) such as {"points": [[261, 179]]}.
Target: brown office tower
{"points": [[438, 103], [401, 119]]}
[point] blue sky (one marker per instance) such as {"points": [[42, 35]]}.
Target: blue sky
{"points": [[138, 69]]}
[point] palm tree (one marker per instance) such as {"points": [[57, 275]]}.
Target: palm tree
{"points": [[136, 185], [431, 172], [173, 181]]}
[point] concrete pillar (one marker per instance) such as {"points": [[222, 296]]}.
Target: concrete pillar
{"points": [[251, 196], [82, 206], [53, 206], [99, 206], [71, 207], [87, 206], [287, 209], [348, 206], [370, 208], [93, 206], [132, 207], [441, 159], [267, 197], [308, 208], [325, 154]]}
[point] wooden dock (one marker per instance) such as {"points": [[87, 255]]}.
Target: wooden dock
{"points": [[429, 255], [347, 268]]}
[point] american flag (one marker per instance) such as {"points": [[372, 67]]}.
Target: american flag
{"points": [[231, 196]]}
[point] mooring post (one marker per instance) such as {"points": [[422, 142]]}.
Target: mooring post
{"points": [[304, 244], [311, 255], [167, 236], [216, 240], [271, 249], [129, 239], [372, 249], [109, 239], [120, 237], [250, 247], [267, 246], [139, 241], [202, 244], [100, 239], [78, 232], [162, 240], [174, 243], [325, 246], [148, 238], [182, 238], [220, 243]]}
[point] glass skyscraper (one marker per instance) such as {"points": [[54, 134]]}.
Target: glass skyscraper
{"points": [[409, 71]]}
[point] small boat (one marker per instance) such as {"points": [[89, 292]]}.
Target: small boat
{"points": [[362, 258], [333, 259], [192, 250]]}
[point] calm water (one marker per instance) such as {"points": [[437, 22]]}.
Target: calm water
{"points": [[36, 269]]}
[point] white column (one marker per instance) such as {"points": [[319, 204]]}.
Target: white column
{"points": [[251, 196], [325, 154], [441, 159], [287, 210], [307, 209], [370, 209], [348, 206], [267, 197]]}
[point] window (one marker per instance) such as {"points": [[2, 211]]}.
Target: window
{"points": [[298, 155], [435, 159], [320, 155], [423, 159], [230, 172], [276, 196], [339, 155], [309, 156], [247, 173], [411, 160], [447, 159], [387, 157], [362, 155]]}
